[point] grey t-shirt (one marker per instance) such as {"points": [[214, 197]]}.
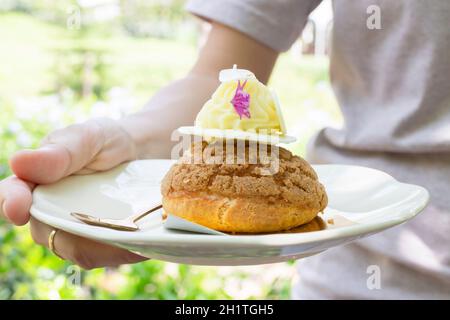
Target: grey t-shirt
{"points": [[393, 87]]}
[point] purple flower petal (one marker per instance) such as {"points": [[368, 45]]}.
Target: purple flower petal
{"points": [[241, 101]]}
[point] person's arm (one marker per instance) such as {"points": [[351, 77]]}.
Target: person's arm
{"points": [[101, 144], [178, 103]]}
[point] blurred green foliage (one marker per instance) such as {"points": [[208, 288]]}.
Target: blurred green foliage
{"points": [[42, 74], [161, 19]]}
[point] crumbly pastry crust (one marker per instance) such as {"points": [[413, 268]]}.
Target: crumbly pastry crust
{"points": [[251, 195]]}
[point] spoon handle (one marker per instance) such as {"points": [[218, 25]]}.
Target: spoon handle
{"points": [[139, 216]]}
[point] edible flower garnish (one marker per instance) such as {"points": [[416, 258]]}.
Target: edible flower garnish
{"points": [[241, 101]]}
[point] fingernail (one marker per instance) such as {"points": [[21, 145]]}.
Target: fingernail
{"points": [[4, 211], [133, 257]]}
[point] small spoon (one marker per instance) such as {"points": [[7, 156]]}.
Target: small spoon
{"points": [[127, 224]]}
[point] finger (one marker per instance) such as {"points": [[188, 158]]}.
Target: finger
{"points": [[98, 144], [64, 152], [86, 253], [15, 200]]}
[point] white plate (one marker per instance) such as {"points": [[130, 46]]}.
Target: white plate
{"points": [[362, 201]]}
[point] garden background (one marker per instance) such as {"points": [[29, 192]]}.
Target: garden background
{"points": [[65, 61]]}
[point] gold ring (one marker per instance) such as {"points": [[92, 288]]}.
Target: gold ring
{"points": [[51, 243]]}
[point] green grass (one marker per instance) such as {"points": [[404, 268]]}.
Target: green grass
{"points": [[28, 47], [142, 66], [23, 55]]}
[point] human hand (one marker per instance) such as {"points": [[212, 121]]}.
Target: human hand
{"points": [[96, 145]]}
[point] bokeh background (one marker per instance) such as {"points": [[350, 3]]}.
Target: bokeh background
{"points": [[65, 61]]}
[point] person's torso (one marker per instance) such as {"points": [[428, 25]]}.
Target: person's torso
{"points": [[392, 83], [393, 87]]}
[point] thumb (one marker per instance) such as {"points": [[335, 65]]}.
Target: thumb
{"points": [[63, 152]]}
